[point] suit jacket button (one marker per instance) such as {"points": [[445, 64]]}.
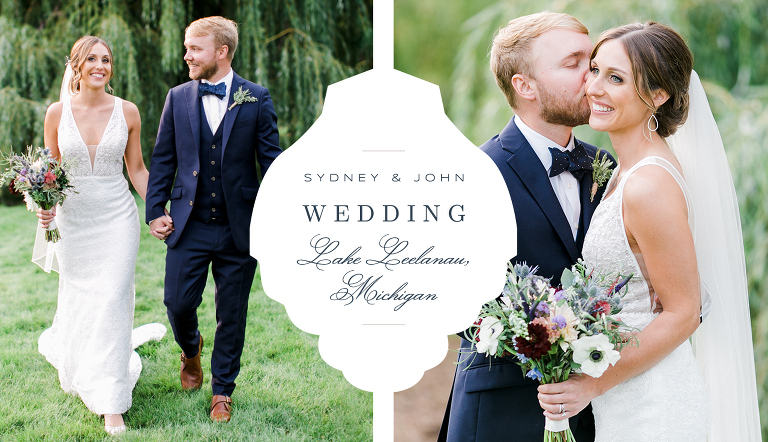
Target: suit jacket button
{"points": [[190, 203], [213, 146], [194, 173]]}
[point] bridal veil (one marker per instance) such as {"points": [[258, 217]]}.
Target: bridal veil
{"points": [[44, 252], [723, 342]]}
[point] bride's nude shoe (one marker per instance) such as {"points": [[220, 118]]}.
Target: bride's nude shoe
{"points": [[113, 430], [191, 371]]}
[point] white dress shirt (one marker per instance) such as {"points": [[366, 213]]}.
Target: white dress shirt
{"points": [[565, 185], [214, 106]]}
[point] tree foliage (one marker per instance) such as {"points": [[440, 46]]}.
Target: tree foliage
{"points": [[727, 38], [295, 48]]}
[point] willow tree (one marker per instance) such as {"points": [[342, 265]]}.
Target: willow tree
{"points": [[295, 48], [727, 37]]}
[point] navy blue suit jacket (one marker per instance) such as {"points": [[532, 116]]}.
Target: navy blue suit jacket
{"points": [[492, 400], [249, 136]]}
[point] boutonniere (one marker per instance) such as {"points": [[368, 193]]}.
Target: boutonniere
{"points": [[601, 172], [242, 96]]}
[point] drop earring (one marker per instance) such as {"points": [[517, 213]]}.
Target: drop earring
{"points": [[653, 118]]}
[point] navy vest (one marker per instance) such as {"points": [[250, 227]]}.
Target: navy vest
{"points": [[209, 199]]}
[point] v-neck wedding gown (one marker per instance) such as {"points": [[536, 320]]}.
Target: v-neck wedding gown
{"points": [[89, 342]]}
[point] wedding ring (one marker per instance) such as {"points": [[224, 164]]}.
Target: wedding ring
{"points": [[562, 409]]}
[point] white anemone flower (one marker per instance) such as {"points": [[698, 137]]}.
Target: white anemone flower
{"points": [[490, 330], [31, 204], [594, 353]]}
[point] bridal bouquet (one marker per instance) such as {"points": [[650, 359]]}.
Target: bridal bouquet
{"points": [[42, 179], [555, 332]]}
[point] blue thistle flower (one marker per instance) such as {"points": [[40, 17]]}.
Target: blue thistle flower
{"points": [[534, 374]]}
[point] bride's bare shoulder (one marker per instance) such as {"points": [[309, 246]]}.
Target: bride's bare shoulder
{"points": [[653, 193], [131, 113], [55, 108], [130, 109], [53, 114]]}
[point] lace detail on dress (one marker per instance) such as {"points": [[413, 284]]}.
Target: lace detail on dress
{"points": [[111, 148], [89, 341], [667, 402]]}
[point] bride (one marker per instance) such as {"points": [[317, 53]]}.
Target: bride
{"points": [[90, 341], [666, 195]]}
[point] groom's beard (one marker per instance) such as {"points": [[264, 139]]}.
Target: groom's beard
{"points": [[555, 110], [207, 71]]}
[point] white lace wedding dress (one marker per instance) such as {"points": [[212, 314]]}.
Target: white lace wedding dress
{"points": [[669, 401], [90, 341]]}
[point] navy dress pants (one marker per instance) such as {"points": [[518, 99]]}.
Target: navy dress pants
{"points": [[186, 270]]}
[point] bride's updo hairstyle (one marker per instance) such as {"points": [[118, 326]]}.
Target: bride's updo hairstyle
{"points": [[80, 51], [659, 59]]}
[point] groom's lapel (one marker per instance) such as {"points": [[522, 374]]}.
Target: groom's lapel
{"points": [[528, 167], [231, 115], [193, 108], [587, 207]]}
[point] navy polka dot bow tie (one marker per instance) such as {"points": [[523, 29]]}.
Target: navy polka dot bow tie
{"points": [[220, 90], [576, 161]]}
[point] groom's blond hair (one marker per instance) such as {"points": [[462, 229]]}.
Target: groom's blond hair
{"points": [[224, 32], [511, 50]]}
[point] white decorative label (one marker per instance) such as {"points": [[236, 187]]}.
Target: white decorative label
{"points": [[383, 230]]}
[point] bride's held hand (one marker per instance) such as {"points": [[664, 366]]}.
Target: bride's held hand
{"points": [[162, 227], [169, 220], [564, 400], [46, 216]]}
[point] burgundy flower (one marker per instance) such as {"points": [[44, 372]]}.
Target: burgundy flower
{"points": [[11, 187], [537, 345]]}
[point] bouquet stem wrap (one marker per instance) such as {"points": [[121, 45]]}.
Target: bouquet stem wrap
{"points": [[557, 431], [555, 426], [51, 232]]}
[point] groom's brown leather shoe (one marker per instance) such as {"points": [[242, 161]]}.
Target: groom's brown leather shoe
{"points": [[221, 407], [191, 372]]}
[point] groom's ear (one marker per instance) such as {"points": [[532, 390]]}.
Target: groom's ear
{"points": [[222, 52], [523, 87], [660, 96]]}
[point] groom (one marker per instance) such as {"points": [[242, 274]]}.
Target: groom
{"points": [[540, 63], [213, 131]]}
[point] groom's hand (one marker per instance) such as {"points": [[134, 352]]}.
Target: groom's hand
{"points": [[162, 227]]}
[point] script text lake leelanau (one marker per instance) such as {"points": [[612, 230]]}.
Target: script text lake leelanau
{"points": [[392, 246]]}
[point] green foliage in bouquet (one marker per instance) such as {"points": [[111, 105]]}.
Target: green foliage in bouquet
{"points": [[42, 179], [552, 333], [542, 326]]}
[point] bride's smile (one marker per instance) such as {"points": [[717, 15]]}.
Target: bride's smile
{"points": [[615, 105], [97, 67]]}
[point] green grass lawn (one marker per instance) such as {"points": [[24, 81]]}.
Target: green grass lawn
{"points": [[285, 391]]}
